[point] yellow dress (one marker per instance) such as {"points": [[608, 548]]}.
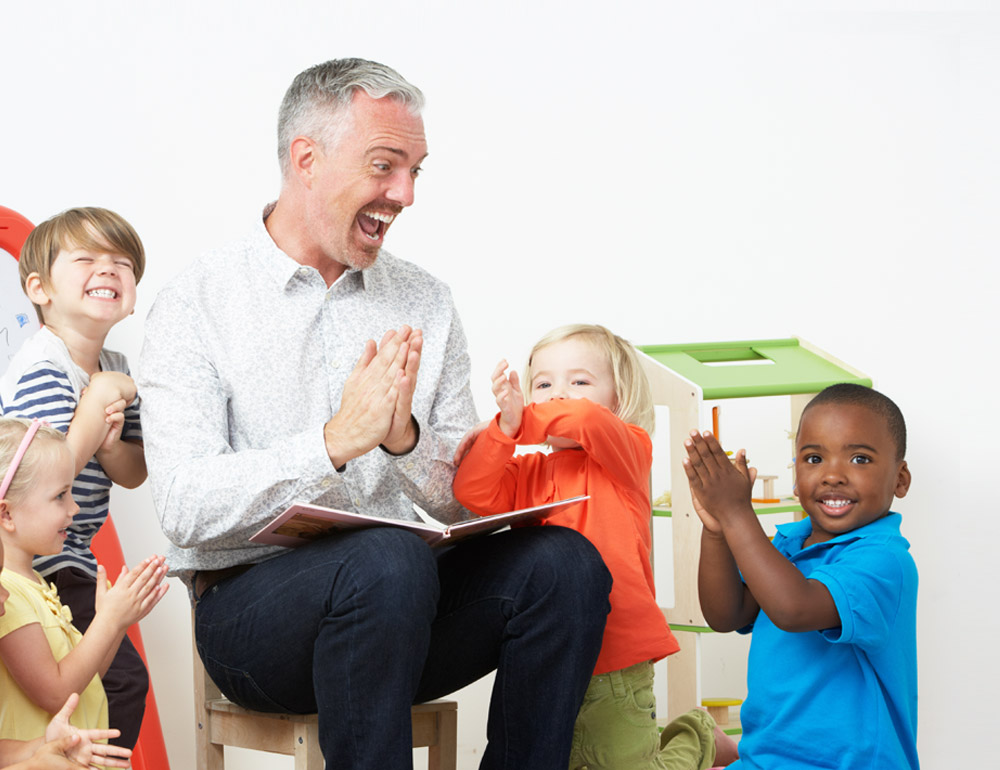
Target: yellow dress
{"points": [[35, 601]]}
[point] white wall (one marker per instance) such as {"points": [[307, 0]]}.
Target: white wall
{"points": [[678, 171]]}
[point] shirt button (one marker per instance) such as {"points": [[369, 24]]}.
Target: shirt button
{"points": [[409, 466], [357, 502], [325, 483]]}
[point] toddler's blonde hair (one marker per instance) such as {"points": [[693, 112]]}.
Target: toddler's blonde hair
{"points": [[38, 456], [635, 400]]}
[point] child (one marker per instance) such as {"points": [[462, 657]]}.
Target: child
{"points": [[832, 603], [80, 269], [590, 402], [45, 658], [65, 746]]}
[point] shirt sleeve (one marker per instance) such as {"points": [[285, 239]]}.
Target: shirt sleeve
{"points": [[18, 610], [622, 450], [44, 391], [203, 490], [486, 480], [443, 415], [866, 586]]}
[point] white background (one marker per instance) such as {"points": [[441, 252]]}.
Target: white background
{"points": [[678, 171]]}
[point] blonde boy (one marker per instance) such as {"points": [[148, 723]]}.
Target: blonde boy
{"points": [[80, 269]]}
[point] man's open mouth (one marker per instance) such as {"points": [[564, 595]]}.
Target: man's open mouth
{"points": [[374, 223]]}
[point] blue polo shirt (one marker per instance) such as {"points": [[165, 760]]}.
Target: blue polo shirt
{"points": [[844, 697]]}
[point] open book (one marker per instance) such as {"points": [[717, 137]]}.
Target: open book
{"points": [[303, 522]]}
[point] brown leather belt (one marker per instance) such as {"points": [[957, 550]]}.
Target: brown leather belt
{"points": [[205, 579]]}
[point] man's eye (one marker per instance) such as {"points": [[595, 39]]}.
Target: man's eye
{"points": [[416, 171], [382, 166]]}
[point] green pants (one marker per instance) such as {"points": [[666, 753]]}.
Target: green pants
{"points": [[616, 728]]}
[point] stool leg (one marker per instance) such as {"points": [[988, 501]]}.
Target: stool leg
{"points": [[443, 754], [720, 714], [307, 753]]}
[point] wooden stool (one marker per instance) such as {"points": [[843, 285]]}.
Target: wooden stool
{"points": [[221, 723], [718, 709]]}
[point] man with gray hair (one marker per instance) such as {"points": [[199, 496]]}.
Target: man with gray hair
{"points": [[262, 385]]}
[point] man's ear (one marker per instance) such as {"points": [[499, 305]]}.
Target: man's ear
{"points": [[35, 289], [303, 153], [902, 481]]}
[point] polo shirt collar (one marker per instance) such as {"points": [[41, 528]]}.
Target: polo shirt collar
{"points": [[798, 531]]}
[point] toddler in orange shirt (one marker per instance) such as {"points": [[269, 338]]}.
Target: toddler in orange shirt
{"points": [[589, 400]]}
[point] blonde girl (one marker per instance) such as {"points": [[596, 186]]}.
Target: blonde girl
{"points": [[43, 658], [589, 400]]}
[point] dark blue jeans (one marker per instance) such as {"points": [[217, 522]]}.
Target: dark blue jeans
{"points": [[359, 626]]}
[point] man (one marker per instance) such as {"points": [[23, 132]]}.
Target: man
{"points": [[252, 400]]}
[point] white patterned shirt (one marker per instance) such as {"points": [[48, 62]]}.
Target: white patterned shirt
{"points": [[244, 361]]}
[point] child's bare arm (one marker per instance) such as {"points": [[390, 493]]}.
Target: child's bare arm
{"points": [[91, 420], [725, 599], [791, 601], [48, 682], [124, 460]]}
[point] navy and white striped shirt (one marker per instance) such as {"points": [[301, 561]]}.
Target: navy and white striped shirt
{"points": [[43, 381]]}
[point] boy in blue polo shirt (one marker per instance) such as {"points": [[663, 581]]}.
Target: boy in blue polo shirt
{"points": [[832, 674]]}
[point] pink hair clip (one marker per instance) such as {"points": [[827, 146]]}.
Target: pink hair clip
{"points": [[29, 434]]}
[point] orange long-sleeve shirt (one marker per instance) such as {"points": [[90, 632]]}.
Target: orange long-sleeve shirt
{"points": [[612, 466]]}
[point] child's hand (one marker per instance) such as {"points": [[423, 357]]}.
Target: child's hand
{"points": [[115, 418], [719, 487], [134, 594], [510, 399], [113, 386], [84, 750], [709, 522]]}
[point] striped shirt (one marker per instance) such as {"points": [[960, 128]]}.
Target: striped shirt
{"points": [[43, 381]]}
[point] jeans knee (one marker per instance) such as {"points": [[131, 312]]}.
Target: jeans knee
{"points": [[396, 571]]}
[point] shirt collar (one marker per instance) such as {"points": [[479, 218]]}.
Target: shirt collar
{"points": [[800, 530], [282, 269]]}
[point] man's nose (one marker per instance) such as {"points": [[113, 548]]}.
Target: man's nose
{"points": [[402, 190]]}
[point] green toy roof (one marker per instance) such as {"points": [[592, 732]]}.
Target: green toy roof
{"points": [[753, 367]]}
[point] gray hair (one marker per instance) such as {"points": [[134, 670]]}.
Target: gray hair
{"points": [[314, 104]]}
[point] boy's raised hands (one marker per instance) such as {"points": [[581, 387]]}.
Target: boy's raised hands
{"points": [[510, 398], [720, 488]]}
